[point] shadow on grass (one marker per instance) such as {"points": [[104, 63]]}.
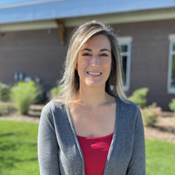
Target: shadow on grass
{"points": [[10, 161], [7, 134], [18, 152]]}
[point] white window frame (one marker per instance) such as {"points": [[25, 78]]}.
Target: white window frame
{"points": [[171, 53], [126, 41]]}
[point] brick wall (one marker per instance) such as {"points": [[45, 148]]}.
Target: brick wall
{"points": [[149, 58], [34, 53]]}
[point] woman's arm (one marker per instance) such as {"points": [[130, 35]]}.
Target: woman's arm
{"points": [[137, 163], [47, 144]]}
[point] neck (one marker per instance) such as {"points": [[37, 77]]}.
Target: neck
{"points": [[93, 97]]}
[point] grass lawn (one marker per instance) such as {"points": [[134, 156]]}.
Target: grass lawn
{"points": [[18, 151], [160, 158], [18, 148]]}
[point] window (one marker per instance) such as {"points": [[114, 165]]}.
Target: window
{"points": [[125, 45], [171, 69]]}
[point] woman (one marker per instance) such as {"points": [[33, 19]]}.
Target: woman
{"points": [[92, 128]]}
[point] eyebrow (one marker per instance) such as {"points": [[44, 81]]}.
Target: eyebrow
{"points": [[105, 50], [91, 50]]}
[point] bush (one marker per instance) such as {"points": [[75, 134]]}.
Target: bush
{"points": [[139, 97], [0, 108], [55, 91], [0, 101], [150, 115], [172, 105], [4, 92], [23, 95]]}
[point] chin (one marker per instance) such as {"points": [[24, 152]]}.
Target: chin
{"points": [[94, 84]]}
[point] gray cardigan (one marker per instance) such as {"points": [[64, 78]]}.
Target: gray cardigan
{"points": [[59, 151]]}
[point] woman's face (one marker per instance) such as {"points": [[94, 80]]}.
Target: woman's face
{"points": [[94, 62]]}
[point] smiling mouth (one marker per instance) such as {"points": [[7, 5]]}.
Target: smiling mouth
{"points": [[94, 74]]}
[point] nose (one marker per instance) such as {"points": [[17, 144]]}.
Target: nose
{"points": [[95, 61]]}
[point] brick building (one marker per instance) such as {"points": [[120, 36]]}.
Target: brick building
{"points": [[34, 37]]}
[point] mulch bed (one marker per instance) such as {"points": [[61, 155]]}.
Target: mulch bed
{"points": [[164, 129], [21, 118]]}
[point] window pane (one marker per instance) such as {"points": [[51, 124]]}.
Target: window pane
{"points": [[173, 72], [124, 62], [124, 48], [173, 46]]}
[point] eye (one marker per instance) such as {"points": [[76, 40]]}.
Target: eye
{"points": [[104, 55], [86, 54]]}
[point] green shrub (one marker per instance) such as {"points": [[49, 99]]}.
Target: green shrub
{"points": [[5, 92], [0, 101], [139, 97], [172, 105], [150, 115], [23, 95], [0, 108], [55, 91]]}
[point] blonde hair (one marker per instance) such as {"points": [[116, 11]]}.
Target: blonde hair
{"points": [[70, 80]]}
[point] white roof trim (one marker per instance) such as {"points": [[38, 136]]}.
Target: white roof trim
{"points": [[129, 17], [35, 25]]}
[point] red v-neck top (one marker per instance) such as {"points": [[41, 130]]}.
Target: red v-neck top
{"points": [[95, 151]]}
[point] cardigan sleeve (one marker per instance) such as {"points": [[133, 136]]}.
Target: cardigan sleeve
{"points": [[137, 163], [47, 144]]}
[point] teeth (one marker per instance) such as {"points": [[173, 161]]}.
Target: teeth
{"points": [[92, 73]]}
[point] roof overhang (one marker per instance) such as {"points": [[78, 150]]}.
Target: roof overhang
{"points": [[124, 17], [35, 10]]}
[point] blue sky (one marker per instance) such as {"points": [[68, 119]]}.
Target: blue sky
{"points": [[140, 4], [8, 2]]}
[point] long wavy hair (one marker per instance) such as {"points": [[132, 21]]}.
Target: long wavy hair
{"points": [[70, 80]]}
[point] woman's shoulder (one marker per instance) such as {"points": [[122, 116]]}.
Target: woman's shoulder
{"points": [[127, 106], [129, 113], [52, 107]]}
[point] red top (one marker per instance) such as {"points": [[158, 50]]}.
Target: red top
{"points": [[95, 151]]}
